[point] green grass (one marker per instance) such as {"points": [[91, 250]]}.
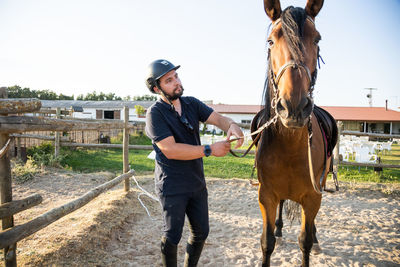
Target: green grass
{"points": [[90, 160], [367, 174]]}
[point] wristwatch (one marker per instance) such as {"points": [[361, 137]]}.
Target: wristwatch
{"points": [[207, 150]]}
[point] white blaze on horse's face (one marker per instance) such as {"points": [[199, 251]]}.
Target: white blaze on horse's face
{"points": [[293, 59]]}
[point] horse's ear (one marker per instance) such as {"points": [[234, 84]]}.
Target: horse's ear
{"points": [[313, 7], [273, 9]]}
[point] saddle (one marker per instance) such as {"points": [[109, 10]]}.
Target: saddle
{"points": [[328, 126]]}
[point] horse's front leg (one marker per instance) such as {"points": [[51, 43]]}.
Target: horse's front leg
{"points": [[316, 249], [279, 221], [309, 212], [268, 211]]}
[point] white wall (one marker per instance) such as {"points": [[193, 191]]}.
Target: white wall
{"points": [[90, 113], [238, 118]]}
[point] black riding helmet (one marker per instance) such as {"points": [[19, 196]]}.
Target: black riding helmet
{"points": [[157, 69]]}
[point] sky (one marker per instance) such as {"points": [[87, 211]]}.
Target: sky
{"points": [[75, 47]]}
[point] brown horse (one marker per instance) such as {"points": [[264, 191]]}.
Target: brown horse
{"points": [[291, 155]]}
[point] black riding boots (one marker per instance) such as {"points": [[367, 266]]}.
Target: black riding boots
{"points": [[168, 253], [193, 252]]}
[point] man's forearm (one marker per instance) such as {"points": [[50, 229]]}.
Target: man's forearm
{"points": [[181, 151]]}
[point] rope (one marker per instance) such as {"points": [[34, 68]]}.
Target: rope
{"points": [[144, 192]]}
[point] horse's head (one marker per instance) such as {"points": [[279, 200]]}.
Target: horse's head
{"points": [[293, 55]]}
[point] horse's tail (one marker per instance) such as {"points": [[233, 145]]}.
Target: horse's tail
{"points": [[292, 210]]}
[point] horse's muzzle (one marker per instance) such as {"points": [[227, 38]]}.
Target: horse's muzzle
{"points": [[294, 117]]}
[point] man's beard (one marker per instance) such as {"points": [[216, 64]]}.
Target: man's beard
{"points": [[174, 96]]}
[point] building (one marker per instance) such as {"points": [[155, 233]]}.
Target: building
{"points": [[362, 119], [367, 119], [98, 109]]}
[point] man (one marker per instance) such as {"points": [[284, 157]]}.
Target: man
{"points": [[173, 125]]}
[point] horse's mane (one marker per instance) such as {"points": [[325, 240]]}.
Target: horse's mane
{"points": [[292, 21]]}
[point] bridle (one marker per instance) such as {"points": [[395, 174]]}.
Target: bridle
{"points": [[275, 78]]}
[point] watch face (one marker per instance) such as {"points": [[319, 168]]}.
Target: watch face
{"points": [[207, 150]]}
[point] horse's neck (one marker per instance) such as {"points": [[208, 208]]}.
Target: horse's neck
{"points": [[291, 138]]}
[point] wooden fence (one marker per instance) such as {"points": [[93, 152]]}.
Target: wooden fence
{"points": [[12, 127]]}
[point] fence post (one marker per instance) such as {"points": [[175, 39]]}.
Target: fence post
{"points": [[125, 149], [19, 154], [336, 158], [57, 136], [10, 256]]}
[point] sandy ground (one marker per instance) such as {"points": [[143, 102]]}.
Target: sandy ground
{"points": [[358, 226]]}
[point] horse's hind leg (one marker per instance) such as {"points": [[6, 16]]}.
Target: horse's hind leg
{"points": [[268, 211], [309, 212], [279, 221]]}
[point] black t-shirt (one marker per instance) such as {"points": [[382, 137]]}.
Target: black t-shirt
{"points": [[177, 176]]}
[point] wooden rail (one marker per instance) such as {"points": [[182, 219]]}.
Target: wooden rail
{"points": [[377, 135], [18, 124], [10, 208], [38, 136], [19, 105], [361, 164], [15, 234]]}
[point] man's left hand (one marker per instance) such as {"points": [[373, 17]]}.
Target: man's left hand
{"points": [[234, 130]]}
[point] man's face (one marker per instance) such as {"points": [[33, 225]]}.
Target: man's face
{"points": [[171, 85]]}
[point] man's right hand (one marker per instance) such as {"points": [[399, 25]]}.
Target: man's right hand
{"points": [[220, 149]]}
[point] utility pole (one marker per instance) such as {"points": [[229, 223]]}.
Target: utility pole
{"points": [[369, 96]]}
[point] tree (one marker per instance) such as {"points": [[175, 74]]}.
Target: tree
{"points": [[94, 96], [18, 92], [145, 98], [139, 110]]}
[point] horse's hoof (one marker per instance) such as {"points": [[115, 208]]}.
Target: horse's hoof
{"points": [[316, 249]]}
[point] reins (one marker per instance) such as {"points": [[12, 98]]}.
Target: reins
{"points": [[257, 132]]}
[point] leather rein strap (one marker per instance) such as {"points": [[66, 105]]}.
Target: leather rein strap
{"points": [[258, 135], [317, 188]]}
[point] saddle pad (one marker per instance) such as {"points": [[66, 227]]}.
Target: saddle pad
{"points": [[328, 124]]}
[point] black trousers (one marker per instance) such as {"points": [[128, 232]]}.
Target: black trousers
{"points": [[195, 206]]}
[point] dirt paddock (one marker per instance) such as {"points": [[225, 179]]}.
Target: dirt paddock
{"points": [[358, 226]]}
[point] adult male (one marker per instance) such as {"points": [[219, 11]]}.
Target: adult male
{"points": [[173, 125]]}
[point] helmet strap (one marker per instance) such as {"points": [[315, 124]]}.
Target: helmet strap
{"points": [[163, 94]]}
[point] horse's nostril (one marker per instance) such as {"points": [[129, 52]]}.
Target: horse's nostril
{"points": [[279, 105], [281, 108]]}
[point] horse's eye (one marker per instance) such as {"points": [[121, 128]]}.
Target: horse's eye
{"points": [[270, 42]]}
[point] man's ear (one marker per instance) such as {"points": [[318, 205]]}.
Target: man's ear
{"points": [[155, 88]]}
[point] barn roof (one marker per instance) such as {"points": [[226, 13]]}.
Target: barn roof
{"points": [[363, 113]]}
